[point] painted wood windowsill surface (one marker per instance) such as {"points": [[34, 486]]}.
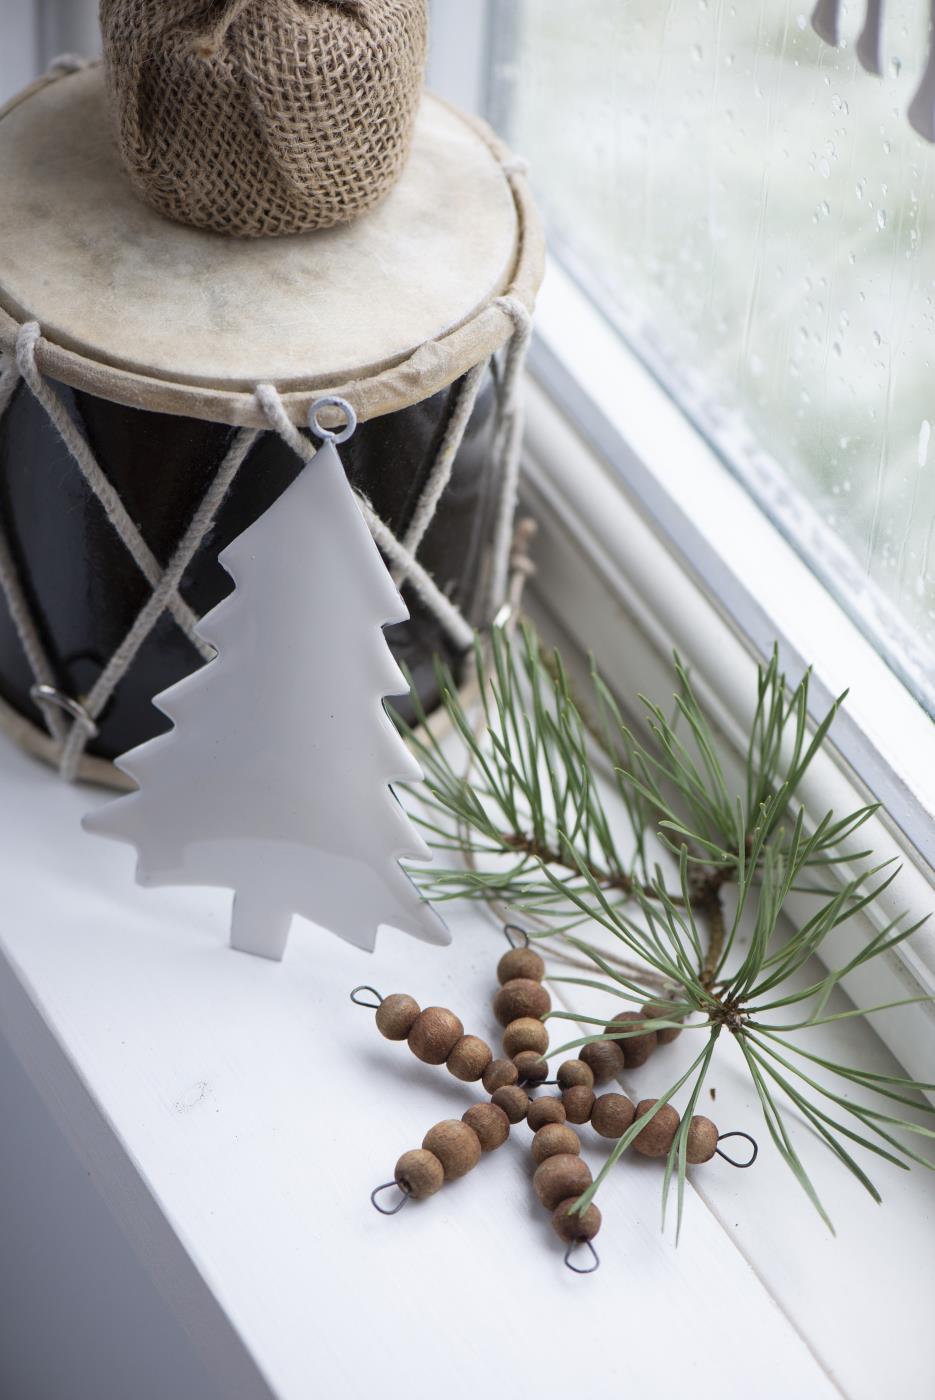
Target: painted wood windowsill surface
{"points": [[234, 1115]]}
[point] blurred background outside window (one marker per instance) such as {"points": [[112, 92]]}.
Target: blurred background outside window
{"points": [[753, 211]]}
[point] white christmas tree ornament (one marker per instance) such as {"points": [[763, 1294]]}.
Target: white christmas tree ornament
{"points": [[275, 781]]}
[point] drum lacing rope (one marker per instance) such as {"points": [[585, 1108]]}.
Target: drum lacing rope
{"points": [[15, 597], [57, 707], [440, 474], [118, 665], [460, 631], [114, 509], [507, 447], [165, 582]]}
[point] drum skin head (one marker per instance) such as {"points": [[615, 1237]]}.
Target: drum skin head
{"points": [[154, 314]]}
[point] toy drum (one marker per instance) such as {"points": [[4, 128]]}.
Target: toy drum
{"points": [[154, 396]]}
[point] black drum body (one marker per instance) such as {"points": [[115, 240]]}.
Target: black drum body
{"points": [[85, 590]]}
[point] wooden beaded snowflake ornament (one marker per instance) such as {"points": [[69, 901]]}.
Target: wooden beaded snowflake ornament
{"points": [[561, 1176], [275, 781]]}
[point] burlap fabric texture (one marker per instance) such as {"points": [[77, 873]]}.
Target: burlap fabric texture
{"points": [[264, 117]]}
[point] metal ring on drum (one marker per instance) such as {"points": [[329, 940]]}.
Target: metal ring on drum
{"points": [[155, 401], [345, 410]]}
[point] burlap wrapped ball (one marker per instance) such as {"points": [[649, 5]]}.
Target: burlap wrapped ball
{"points": [[264, 117]]}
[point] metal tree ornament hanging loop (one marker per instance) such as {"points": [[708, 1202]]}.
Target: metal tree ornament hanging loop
{"points": [[328, 434], [733, 1162]]}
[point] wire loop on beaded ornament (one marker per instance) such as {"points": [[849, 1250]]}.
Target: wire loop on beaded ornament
{"points": [[394, 1210], [733, 1162], [510, 929], [371, 1005], [592, 1268]]}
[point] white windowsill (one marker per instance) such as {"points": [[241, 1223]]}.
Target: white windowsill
{"points": [[234, 1115]]}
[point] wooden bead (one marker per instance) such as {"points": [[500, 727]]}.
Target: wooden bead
{"points": [[559, 1177], [612, 1114], [636, 1048], [469, 1057], [395, 1015], [656, 1138], [531, 1067], [581, 1226], [658, 1011], [455, 1144], [520, 962], [573, 1073], [433, 1034], [490, 1123], [521, 996], [702, 1140], [578, 1102], [604, 1059], [513, 1100], [542, 1111], [419, 1173], [525, 1033], [499, 1074], [554, 1138]]}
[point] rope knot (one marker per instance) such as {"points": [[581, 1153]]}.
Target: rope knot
{"points": [[518, 314], [27, 341]]}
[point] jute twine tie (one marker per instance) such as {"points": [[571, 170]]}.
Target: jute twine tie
{"points": [[264, 117]]}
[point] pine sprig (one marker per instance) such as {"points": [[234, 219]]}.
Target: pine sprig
{"points": [[522, 805]]}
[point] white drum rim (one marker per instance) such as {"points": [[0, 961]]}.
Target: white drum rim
{"points": [[413, 378]]}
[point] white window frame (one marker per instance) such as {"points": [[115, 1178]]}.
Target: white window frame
{"points": [[648, 544]]}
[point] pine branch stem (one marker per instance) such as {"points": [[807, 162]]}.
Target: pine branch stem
{"points": [[714, 910], [548, 855], [705, 900]]}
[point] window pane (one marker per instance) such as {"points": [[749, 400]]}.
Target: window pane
{"points": [[756, 213]]}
